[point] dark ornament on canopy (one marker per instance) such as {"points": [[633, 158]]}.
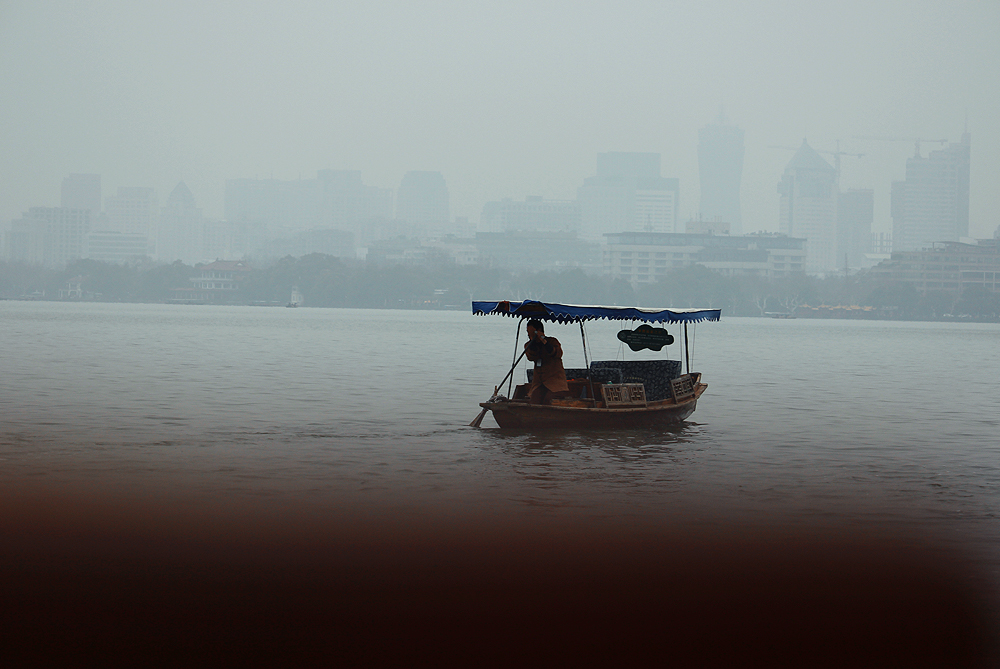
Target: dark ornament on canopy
{"points": [[646, 336]]}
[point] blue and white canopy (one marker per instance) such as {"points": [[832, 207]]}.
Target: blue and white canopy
{"points": [[571, 313]]}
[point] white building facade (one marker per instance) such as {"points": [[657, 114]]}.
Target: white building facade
{"points": [[49, 236], [133, 210], [644, 258], [116, 247]]}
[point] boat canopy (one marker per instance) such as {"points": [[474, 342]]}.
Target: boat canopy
{"points": [[571, 313]]}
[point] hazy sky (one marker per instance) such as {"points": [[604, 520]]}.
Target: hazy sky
{"points": [[506, 99]]}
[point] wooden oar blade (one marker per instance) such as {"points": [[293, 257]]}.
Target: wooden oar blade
{"points": [[478, 419]]}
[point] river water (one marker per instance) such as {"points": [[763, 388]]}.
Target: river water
{"points": [[862, 422]]}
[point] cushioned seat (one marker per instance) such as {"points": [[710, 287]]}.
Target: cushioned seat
{"points": [[655, 375]]}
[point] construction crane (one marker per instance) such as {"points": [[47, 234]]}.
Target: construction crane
{"points": [[836, 154], [916, 141]]}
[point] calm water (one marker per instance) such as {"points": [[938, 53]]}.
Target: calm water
{"points": [[863, 422]]}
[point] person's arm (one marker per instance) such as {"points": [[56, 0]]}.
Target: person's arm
{"points": [[543, 348], [553, 348]]}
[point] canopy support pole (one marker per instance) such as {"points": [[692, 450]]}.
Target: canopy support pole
{"points": [[517, 340], [586, 361], [687, 355]]}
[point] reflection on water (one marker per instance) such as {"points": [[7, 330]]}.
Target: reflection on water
{"points": [[623, 446], [594, 474]]}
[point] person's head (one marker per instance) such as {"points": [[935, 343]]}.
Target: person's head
{"points": [[535, 325]]}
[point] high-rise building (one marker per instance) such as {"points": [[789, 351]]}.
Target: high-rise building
{"points": [[720, 171], [23, 243], [285, 205], [346, 203], [881, 243], [335, 199], [855, 213], [627, 195], [181, 230], [82, 191], [534, 214], [422, 199], [49, 236], [932, 205], [132, 210], [808, 207]]}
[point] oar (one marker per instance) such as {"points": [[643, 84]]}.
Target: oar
{"points": [[482, 414]]}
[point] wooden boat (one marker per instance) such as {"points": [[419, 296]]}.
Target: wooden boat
{"points": [[579, 414], [645, 394]]}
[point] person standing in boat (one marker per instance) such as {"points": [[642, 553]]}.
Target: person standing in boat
{"points": [[549, 378]]}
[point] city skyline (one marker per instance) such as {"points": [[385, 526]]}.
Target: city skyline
{"points": [[336, 212], [52, 196], [500, 105]]}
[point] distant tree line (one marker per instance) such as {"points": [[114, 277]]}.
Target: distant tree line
{"points": [[328, 281]]}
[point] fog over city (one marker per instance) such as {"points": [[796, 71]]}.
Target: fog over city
{"points": [[505, 100]]}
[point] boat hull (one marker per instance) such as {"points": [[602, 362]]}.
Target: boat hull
{"points": [[520, 415]]}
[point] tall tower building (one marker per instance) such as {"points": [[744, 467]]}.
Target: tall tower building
{"points": [[627, 195], [720, 171], [855, 214], [808, 207], [181, 228], [932, 205], [422, 199]]}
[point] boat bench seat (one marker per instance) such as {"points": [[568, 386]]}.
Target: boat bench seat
{"points": [[608, 375], [597, 376], [655, 375]]}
